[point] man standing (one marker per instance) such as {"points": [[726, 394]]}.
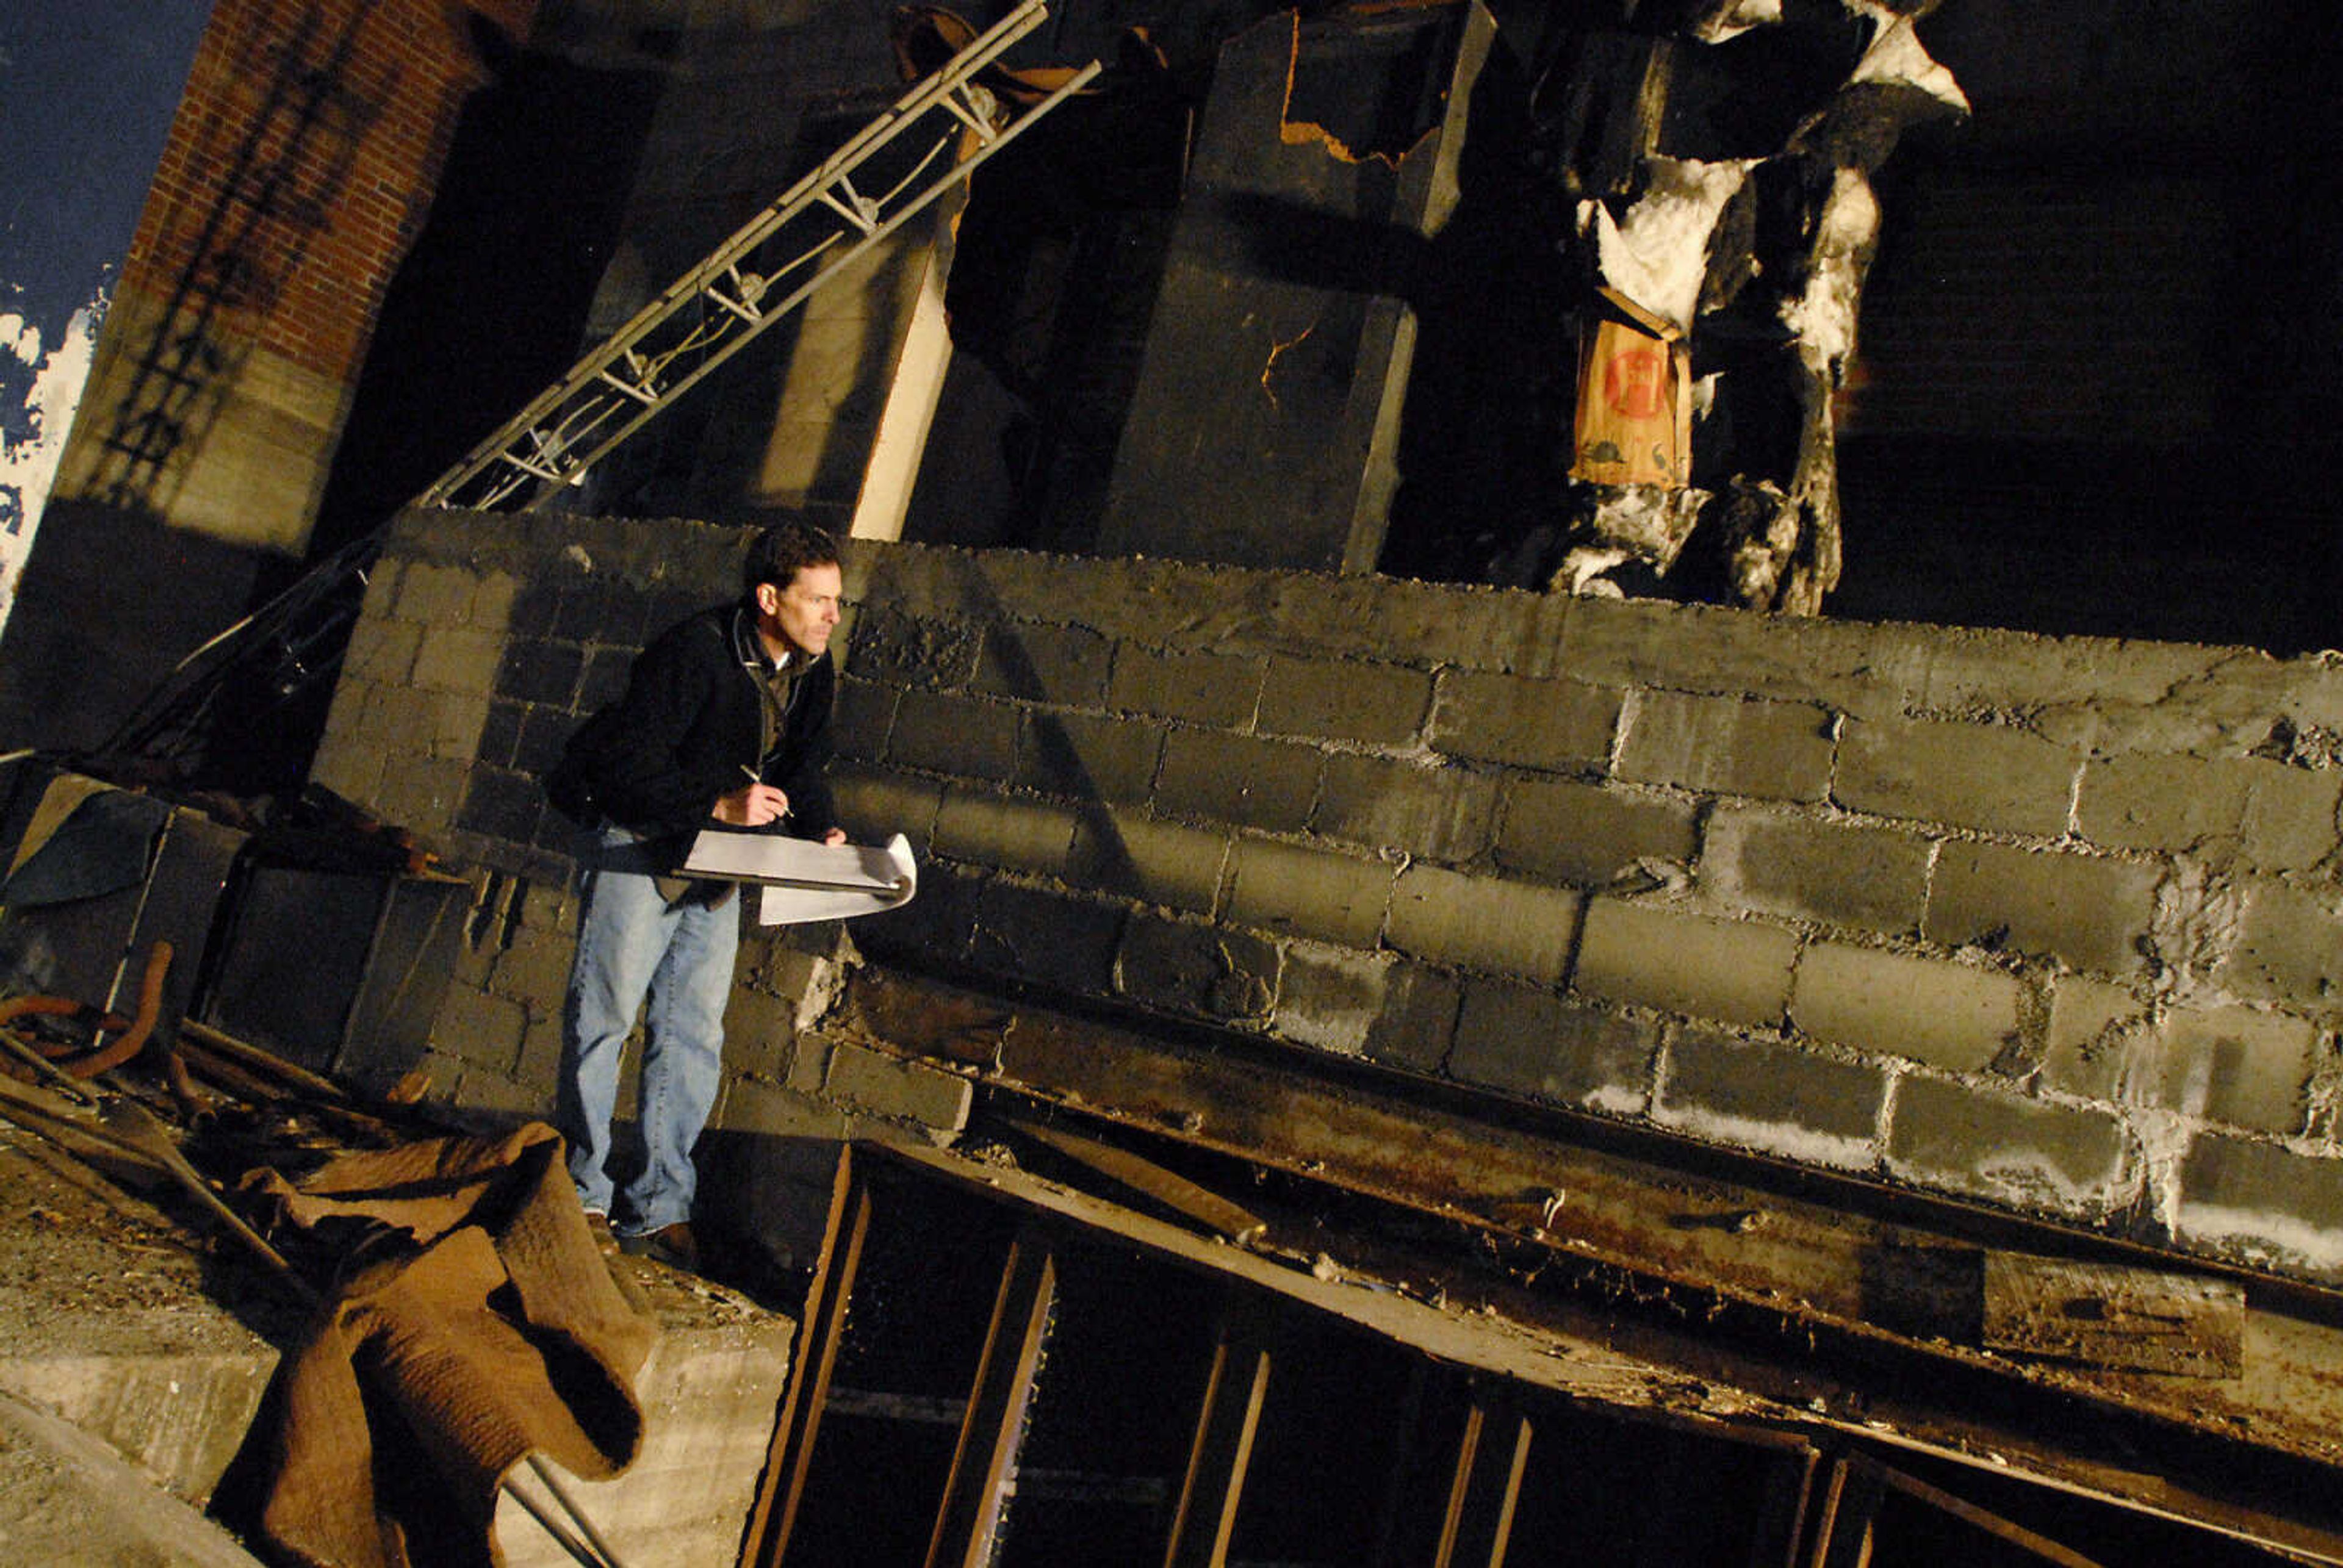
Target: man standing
{"points": [[725, 719]]}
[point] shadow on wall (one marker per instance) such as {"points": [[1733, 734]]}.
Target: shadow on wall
{"points": [[483, 312]]}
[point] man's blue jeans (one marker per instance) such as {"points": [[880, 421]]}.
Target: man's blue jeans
{"points": [[631, 944]]}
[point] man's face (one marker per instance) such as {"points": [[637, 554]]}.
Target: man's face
{"points": [[799, 618]]}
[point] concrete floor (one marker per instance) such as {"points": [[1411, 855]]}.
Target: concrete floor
{"points": [[134, 1356]]}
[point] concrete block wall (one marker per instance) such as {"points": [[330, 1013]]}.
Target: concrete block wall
{"points": [[2049, 924]]}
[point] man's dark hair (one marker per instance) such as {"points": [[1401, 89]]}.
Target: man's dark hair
{"points": [[779, 553]]}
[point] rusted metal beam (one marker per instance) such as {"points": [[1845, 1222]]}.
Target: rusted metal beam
{"points": [[1799, 1258], [968, 1525]]}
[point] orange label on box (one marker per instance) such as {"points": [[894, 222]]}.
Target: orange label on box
{"points": [[1635, 408]]}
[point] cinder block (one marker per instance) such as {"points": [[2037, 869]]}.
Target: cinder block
{"points": [[967, 737], [2093, 911], [457, 720], [1517, 928], [1758, 1094], [1211, 776], [862, 717], [2291, 817], [539, 1064], [419, 792], [1310, 892], [874, 802], [759, 1032], [1414, 1016], [350, 760], [1587, 834], [1703, 648], [1062, 665], [2262, 1203], [1521, 1041], [480, 1029], [1004, 832], [2242, 1066], [2279, 818], [1949, 1015], [500, 733], [1437, 813], [1332, 997], [493, 601], [898, 1090], [532, 668], [2289, 948], [1988, 777], [435, 594], [1562, 726], [1837, 872], [603, 679], [894, 649], [753, 1107], [543, 731], [2095, 1030], [1046, 936], [1379, 704], [533, 967], [549, 906], [1727, 745], [1220, 690], [1156, 862], [1199, 969], [383, 650], [1664, 956], [2028, 1154], [936, 925], [456, 659], [1089, 758], [2191, 804]]}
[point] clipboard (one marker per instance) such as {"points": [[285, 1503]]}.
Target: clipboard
{"points": [[801, 880]]}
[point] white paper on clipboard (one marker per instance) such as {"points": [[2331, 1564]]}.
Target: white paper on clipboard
{"points": [[801, 880]]}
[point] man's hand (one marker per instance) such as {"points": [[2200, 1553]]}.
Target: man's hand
{"points": [[835, 836], [751, 806]]}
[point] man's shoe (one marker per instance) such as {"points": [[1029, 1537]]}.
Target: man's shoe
{"points": [[670, 1244]]}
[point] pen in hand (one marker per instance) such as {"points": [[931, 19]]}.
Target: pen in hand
{"points": [[757, 778]]}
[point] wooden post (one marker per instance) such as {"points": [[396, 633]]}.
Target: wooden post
{"points": [[1486, 1487], [791, 1453], [1225, 1427], [990, 1431]]}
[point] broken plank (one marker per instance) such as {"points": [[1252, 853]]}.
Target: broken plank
{"points": [[1143, 1175], [2137, 1320]]}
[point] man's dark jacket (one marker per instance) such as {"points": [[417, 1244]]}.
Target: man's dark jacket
{"points": [[685, 728]]}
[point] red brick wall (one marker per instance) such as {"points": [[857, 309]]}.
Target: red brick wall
{"points": [[306, 149]]}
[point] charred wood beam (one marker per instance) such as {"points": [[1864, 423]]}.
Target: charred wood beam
{"points": [[968, 1526], [1222, 1446], [1495, 1451], [823, 1330]]}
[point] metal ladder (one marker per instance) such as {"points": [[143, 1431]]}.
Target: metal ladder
{"points": [[824, 222]]}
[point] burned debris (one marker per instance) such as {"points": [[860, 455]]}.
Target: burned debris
{"points": [[1722, 158]]}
